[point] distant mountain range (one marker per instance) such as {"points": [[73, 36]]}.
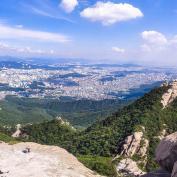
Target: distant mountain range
{"points": [[62, 61]]}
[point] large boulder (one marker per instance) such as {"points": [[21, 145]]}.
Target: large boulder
{"points": [[166, 152]]}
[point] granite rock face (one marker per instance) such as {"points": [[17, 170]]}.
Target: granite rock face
{"points": [[170, 95], [166, 157], [134, 144], [35, 160], [128, 167], [17, 133], [166, 152]]}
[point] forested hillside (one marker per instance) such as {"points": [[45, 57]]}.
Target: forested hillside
{"points": [[80, 113], [105, 138], [99, 143]]}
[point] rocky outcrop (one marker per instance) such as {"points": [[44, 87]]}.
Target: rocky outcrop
{"points": [[35, 160], [166, 152], [166, 157], [170, 95], [128, 167], [162, 134], [134, 145], [64, 122], [18, 132]]}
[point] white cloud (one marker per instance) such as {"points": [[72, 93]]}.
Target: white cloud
{"points": [[3, 45], [109, 13], [19, 26], [154, 42], [146, 48], [173, 41], [158, 49], [41, 12], [7, 32], [154, 37], [68, 5], [50, 13], [118, 50], [26, 50], [44, 8]]}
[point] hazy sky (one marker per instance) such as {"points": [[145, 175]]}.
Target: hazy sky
{"points": [[134, 31]]}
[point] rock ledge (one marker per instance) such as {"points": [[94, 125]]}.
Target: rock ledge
{"points": [[34, 160]]}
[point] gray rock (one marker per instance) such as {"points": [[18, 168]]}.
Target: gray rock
{"points": [[40, 161], [174, 172], [158, 173], [170, 95], [132, 145], [128, 167], [166, 152]]}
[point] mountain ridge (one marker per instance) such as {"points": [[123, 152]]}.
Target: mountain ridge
{"points": [[139, 127]]}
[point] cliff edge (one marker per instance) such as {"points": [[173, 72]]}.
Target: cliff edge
{"points": [[34, 160]]}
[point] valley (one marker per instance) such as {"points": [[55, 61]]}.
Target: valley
{"points": [[113, 136], [80, 113]]}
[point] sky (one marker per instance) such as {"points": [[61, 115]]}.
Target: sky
{"points": [[113, 31]]}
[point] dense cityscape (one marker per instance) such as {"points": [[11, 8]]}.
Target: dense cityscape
{"points": [[94, 82]]}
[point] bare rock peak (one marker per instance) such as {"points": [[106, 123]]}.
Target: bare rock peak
{"points": [[170, 95]]}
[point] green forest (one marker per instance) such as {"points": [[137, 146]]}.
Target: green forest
{"points": [[80, 113], [96, 145]]}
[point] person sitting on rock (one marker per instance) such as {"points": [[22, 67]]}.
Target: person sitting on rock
{"points": [[27, 150]]}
